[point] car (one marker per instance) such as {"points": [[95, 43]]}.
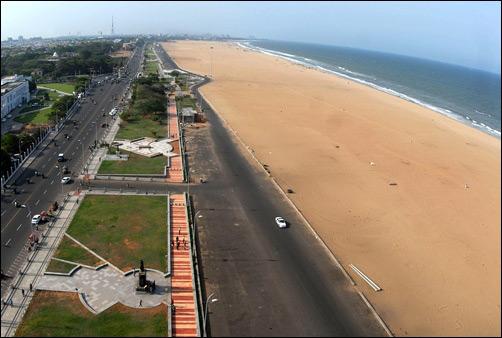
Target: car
{"points": [[66, 180], [36, 219], [61, 157], [281, 222]]}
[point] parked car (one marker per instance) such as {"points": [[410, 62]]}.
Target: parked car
{"points": [[36, 219], [281, 222], [66, 180]]}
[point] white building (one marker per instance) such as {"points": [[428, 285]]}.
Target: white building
{"points": [[15, 92]]}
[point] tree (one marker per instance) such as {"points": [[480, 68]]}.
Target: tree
{"points": [[32, 85], [5, 161], [10, 143]]}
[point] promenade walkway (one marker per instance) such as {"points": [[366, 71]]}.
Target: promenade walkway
{"points": [[175, 170], [184, 315]]}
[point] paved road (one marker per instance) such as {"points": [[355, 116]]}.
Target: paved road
{"points": [[16, 222], [268, 281]]}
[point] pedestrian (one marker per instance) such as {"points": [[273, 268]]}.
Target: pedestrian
{"points": [[177, 239], [177, 245], [31, 287], [179, 231], [22, 292], [134, 273], [77, 200], [11, 303], [172, 244], [141, 302]]}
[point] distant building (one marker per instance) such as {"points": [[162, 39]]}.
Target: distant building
{"points": [[9, 39], [128, 45], [188, 115], [37, 72], [15, 92], [20, 38]]}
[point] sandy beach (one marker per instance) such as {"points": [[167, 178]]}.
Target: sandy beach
{"points": [[410, 197]]}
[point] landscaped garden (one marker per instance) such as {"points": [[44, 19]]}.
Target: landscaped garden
{"points": [[71, 251], [67, 88], [123, 229], [135, 164], [61, 314]]}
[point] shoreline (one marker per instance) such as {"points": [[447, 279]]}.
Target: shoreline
{"points": [[427, 221], [466, 120]]}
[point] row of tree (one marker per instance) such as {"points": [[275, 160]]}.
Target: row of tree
{"points": [[148, 98], [88, 56]]}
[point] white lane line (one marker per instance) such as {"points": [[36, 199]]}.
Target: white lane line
{"points": [[36, 203], [45, 192], [19, 227], [52, 181], [28, 214], [3, 212], [8, 242]]}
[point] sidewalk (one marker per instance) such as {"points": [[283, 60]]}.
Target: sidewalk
{"points": [[185, 321], [93, 163], [34, 268]]}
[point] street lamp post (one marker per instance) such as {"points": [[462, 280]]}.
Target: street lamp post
{"points": [[205, 311]]}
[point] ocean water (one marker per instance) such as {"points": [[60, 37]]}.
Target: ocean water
{"points": [[467, 95]]}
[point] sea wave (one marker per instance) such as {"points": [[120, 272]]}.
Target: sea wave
{"points": [[342, 73]]}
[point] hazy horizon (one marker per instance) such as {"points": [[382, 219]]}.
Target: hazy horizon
{"points": [[460, 33]]}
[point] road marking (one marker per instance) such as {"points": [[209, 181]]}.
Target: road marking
{"points": [[51, 182], [36, 203], [28, 214], [3, 212], [19, 227], [8, 242], [45, 191]]}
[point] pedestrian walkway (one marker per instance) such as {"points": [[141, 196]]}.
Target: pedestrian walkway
{"points": [[19, 297], [175, 170], [105, 287], [184, 315]]}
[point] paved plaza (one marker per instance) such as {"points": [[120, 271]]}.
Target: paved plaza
{"points": [[105, 287], [147, 146]]}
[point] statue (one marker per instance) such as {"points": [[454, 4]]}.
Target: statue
{"points": [[144, 285]]}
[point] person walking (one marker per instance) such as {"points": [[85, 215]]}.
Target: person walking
{"points": [[31, 287], [22, 292], [140, 302]]}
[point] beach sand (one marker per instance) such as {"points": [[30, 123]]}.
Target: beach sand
{"points": [[432, 242]]}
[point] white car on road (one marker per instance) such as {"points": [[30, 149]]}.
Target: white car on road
{"points": [[36, 219], [281, 222], [66, 180]]}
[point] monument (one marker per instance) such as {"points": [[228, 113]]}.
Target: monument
{"points": [[144, 285]]}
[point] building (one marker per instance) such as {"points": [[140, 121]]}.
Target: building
{"points": [[188, 115], [15, 92], [37, 72]]}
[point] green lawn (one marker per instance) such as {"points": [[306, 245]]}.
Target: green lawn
{"points": [[60, 314], [64, 87], [151, 67], [71, 251], [141, 127], [186, 101], [136, 164], [37, 117], [124, 229], [57, 266]]}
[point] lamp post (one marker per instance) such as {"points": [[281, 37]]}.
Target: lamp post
{"points": [[205, 311]]}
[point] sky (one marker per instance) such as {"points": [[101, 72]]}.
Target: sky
{"points": [[463, 33]]}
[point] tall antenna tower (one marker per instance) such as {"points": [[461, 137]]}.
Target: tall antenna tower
{"points": [[112, 26]]}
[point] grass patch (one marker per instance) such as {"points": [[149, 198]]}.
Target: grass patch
{"points": [[186, 102], [57, 266], [151, 67], [124, 229], [141, 127], [41, 116], [60, 314], [67, 88], [71, 251], [136, 164]]}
